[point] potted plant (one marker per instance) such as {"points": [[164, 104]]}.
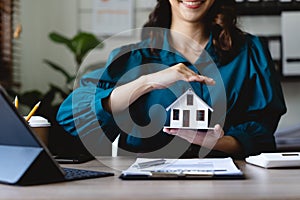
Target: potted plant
{"points": [[80, 45]]}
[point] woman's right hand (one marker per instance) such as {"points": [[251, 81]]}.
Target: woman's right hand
{"points": [[124, 95], [169, 76]]}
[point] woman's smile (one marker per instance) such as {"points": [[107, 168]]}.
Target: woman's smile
{"points": [[192, 4], [190, 10]]}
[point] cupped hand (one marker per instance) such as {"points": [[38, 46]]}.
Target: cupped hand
{"points": [[169, 76], [206, 139]]}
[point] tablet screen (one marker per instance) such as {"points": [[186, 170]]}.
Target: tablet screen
{"points": [[13, 128]]}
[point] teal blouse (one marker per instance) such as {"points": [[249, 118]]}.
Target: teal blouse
{"points": [[247, 98]]}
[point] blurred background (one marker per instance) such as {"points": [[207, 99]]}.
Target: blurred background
{"points": [[43, 43]]}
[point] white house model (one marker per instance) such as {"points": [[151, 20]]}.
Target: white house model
{"points": [[189, 111]]}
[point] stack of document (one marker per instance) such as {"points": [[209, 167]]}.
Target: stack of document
{"points": [[208, 168]]}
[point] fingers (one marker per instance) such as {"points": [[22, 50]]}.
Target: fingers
{"points": [[190, 76], [207, 139], [217, 128], [218, 131], [203, 79], [171, 131], [187, 134]]}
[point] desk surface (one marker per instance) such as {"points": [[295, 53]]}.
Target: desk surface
{"points": [[259, 184]]}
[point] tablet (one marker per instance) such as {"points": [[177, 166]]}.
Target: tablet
{"points": [[24, 159]]}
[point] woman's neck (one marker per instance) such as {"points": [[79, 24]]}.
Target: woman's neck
{"points": [[189, 39]]}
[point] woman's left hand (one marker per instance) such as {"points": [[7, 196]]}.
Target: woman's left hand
{"points": [[206, 139]]}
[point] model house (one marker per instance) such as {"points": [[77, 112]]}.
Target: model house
{"points": [[189, 111]]}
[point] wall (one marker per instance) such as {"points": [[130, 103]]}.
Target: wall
{"points": [[40, 17], [270, 26], [141, 8]]}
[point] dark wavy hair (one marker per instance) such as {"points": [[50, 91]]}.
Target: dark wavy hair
{"points": [[221, 19]]}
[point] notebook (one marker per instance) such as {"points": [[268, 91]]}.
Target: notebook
{"points": [[24, 159]]}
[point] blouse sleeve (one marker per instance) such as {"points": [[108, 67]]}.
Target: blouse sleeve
{"points": [[82, 112], [262, 103]]}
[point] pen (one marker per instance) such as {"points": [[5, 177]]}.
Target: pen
{"points": [[32, 111], [16, 102], [151, 163]]}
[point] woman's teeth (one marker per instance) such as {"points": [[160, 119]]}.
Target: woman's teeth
{"points": [[192, 3]]}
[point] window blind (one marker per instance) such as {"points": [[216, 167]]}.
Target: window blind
{"points": [[9, 46]]}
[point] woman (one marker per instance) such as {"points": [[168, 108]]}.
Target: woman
{"points": [[123, 99]]}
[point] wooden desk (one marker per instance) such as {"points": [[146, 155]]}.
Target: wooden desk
{"points": [[259, 184]]}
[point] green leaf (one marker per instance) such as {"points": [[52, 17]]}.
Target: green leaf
{"points": [[83, 43], [80, 44], [59, 69], [58, 38], [71, 79]]}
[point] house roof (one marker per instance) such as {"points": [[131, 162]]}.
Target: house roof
{"points": [[189, 91]]}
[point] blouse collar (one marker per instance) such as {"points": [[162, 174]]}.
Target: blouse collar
{"points": [[171, 53]]}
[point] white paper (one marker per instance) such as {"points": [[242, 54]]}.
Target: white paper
{"points": [[214, 166]]}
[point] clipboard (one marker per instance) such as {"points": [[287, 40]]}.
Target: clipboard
{"points": [[182, 169]]}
